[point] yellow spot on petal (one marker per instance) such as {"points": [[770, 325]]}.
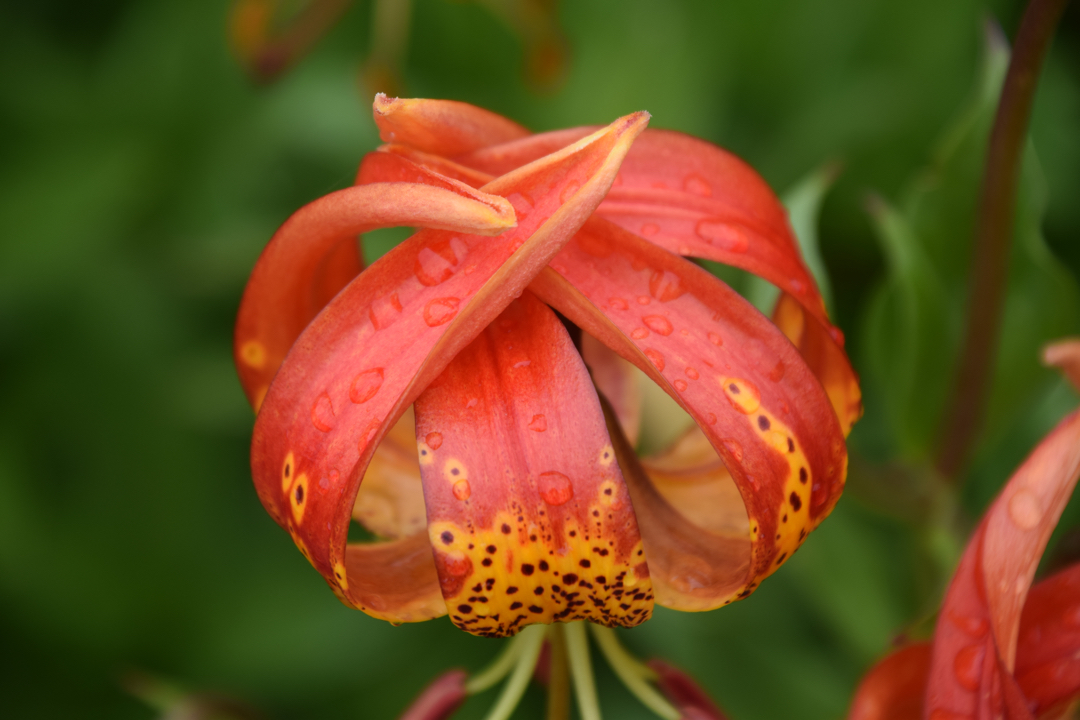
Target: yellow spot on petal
{"points": [[253, 353], [454, 470], [288, 473], [298, 498], [425, 453], [341, 577], [607, 455], [742, 394]]}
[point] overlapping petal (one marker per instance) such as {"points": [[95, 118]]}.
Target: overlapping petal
{"points": [[425, 301]]}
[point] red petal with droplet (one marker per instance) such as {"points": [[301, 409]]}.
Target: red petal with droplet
{"points": [[441, 127], [528, 524], [777, 434], [406, 317], [975, 638], [1048, 646], [314, 254]]}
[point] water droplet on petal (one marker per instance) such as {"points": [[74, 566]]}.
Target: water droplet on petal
{"points": [[665, 286], [384, 311], [711, 418], [438, 262], [658, 324], [538, 423], [697, 185], [734, 448], [441, 311], [777, 373], [365, 385], [656, 358], [639, 333], [723, 235], [617, 303], [715, 339], [650, 229], [462, 490], [433, 440], [692, 373], [555, 488], [968, 666], [680, 385], [322, 413], [1025, 510]]}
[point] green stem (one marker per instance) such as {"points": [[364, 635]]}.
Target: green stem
{"points": [[633, 673], [993, 236], [498, 669], [577, 650], [531, 640], [558, 701]]}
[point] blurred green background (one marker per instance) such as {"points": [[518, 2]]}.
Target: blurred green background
{"points": [[141, 172]]}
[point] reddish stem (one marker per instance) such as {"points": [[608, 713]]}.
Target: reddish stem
{"points": [[994, 231]]}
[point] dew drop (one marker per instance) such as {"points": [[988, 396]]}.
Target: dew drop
{"points": [[692, 373], [462, 490], [538, 423], [438, 262], [665, 286], [639, 333], [723, 235], [658, 324], [643, 300], [473, 402], [715, 339], [365, 385], [617, 303], [1025, 510], [322, 413], [569, 191], [433, 440], [968, 666], [680, 385], [441, 311], [555, 488], [711, 418], [656, 358], [777, 373], [384, 311], [650, 229], [697, 185]]}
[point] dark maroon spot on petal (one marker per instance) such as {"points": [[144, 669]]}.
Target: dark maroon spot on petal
{"points": [[536, 609], [465, 608], [790, 445], [490, 549], [795, 500], [569, 578], [573, 533], [515, 605], [585, 563], [486, 562], [511, 590], [785, 517], [544, 566], [533, 538], [601, 579], [763, 422], [505, 529], [539, 590], [802, 475], [607, 491], [781, 558], [299, 494], [734, 389], [527, 569], [447, 537]]}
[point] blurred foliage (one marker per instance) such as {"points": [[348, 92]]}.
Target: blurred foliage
{"points": [[141, 172]]}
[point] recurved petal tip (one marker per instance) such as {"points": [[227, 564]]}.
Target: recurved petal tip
{"points": [[1065, 355], [440, 699], [684, 692]]}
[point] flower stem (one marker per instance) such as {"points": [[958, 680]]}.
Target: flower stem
{"points": [[531, 639], [577, 647], [498, 669], [558, 701], [993, 235], [634, 674]]}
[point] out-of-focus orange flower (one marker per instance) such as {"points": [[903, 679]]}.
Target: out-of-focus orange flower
{"points": [[998, 650]]}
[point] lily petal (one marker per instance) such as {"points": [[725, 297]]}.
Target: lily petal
{"points": [[729, 367], [441, 127], [338, 392], [528, 514], [894, 688], [1048, 647], [390, 502], [975, 638], [617, 380], [314, 254]]}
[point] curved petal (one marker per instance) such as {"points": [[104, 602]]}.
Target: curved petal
{"points": [[975, 638], [502, 158], [617, 380], [528, 515], [314, 254], [378, 344], [390, 502], [1048, 647], [729, 367], [893, 689], [441, 127], [400, 163]]}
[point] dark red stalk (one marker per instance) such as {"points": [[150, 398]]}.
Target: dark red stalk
{"points": [[994, 231]]}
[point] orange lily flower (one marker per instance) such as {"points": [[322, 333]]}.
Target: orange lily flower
{"points": [[531, 506], [998, 650]]}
